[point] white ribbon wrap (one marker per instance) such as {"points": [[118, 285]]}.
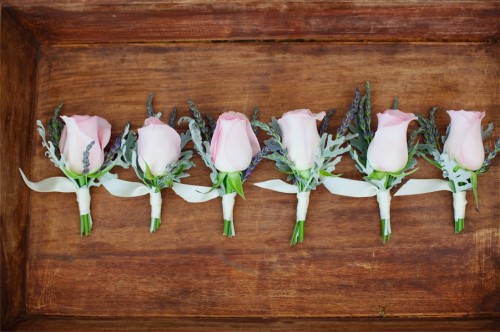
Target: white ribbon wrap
{"points": [[190, 193], [459, 203], [347, 187], [155, 201], [279, 186], [227, 208], [384, 205], [63, 185], [422, 186], [83, 198], [302, 205]]}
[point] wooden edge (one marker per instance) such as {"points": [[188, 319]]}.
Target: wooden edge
{"points": [[90, 22], [18, 60], [44, 323]]}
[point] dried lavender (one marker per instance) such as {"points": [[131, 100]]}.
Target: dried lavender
{"points": [[149, 106], [110, 154], [198, 118], [255, 161], [395, 104], [55, 126], [351, 113], [86, 161], [326, 121], [255, 117], [491, 155], [173, 117], [211, 124]]}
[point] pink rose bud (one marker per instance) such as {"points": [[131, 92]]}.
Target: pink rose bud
{"points": [[77, 134], [234, 143], [388, 151], [300, 136], [158, 145], [464, 143]]}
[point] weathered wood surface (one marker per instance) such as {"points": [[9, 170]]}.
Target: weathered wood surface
{"points": [[254, 324], [17, 80], [157, 21], [105, 59], [188, 268]]}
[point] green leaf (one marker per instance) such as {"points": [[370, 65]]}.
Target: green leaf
{"points": [[377, 175], [71, 174], [148, 175], [233, 181], [325, 173]]}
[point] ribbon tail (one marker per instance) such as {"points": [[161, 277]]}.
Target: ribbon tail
{"points": [[279, 186], [53, 184], [422, 186], [195, 194], [348, 187], [122, 188]]}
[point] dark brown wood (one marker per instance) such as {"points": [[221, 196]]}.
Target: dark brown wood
{"points": [[91, 22], [188, 268], [255, 324], [17, 88], [102, 64]]}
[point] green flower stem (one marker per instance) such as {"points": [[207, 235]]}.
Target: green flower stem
{"points": [[459, 225], [302, 205], [459, 204], [227, 211], [228, 228], [298, 233], [83, 198], [386, 233], [155, 202]]}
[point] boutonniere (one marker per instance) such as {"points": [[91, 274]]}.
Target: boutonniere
{"points": [[460, 154], [306, 157], [230, 149], [384, 157], [76, 145], [157, 155]]}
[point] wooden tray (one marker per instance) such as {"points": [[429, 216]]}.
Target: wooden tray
{"points": [[106, 59]]}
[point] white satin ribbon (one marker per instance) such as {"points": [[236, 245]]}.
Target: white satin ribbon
{"points": [[63, 185], [302, 205], [459, 203], [351, 188], [190, 193], [227, 209], [422, 186], [279, 186]]}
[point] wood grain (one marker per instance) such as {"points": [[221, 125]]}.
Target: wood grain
{"points": [[17, 80], [254, 324], [188, 268], [158, 21]]}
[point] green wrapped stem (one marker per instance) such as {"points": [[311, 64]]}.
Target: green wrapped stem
{"points": [[459, 225], [155, 224], [228, 228], [385, 227], [298, 233], [85, 225]]}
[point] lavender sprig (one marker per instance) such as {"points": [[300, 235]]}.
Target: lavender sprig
{"points": [[491, 155], [351, 113], [55, 126], [85, 160], [211, 124], [254, 118], [255, 161], [326, 121], [113, 151], [198, 118], [172, 118]]}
